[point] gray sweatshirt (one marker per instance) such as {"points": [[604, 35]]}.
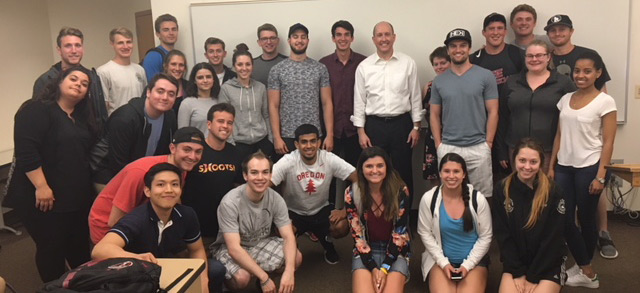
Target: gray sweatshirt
{"points": [[252, 110]]}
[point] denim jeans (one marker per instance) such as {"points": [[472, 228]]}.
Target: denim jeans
{"points": [[216, 275], [574, 183]]}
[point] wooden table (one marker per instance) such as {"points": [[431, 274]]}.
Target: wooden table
{"points": [[628, 172], [172, 268]]}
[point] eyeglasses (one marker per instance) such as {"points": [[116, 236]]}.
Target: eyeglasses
{"points": [[270, 39], [536, 56]]}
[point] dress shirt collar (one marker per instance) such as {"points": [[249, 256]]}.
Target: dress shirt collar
{"points": [[378, 58], [335, 56]]}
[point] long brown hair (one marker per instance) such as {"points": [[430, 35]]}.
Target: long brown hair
{"points": [[542, 183], [467, 218], [392, 184]]}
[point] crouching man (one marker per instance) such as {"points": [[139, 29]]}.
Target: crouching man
{"points": [[244, 244], [160, 228]]}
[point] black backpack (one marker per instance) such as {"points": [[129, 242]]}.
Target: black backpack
{"points": [[154, 49], [123, 275]]}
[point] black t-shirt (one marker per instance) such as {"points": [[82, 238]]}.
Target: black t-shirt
{"points": [[140, 231], [565, 63], [509, 61], [216, 174]]}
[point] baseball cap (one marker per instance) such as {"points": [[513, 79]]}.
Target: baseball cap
{"points": [[298, 26], [493, 17], [559, 19], [458, 34], [188, 134]]}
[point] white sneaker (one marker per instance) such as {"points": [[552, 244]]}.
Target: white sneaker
{"points": [[574, 270], [581, 280]]}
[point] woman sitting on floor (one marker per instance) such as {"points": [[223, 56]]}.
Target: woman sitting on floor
{"points": [[454, 223], [378, 219]]}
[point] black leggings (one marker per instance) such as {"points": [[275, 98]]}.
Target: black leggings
{"points": [[59, 237]]}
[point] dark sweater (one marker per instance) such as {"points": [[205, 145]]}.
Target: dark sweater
{"points": [[528, 113], [537, 252]]}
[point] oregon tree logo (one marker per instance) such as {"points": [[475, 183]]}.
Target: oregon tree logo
{"points": [[311, 187]]}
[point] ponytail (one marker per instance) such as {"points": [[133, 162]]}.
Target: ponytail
{"points": [[467, 218]]}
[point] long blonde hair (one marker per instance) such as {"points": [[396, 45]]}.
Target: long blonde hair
{"points": [[543, 184]]}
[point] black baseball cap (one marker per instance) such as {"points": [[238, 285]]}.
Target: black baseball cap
{"points": [[458, 34], [188, 134], [298, 26], [493, 17], [559, 19]]}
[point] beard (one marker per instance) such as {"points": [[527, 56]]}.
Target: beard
{"points": [[461, 61], [298, 52]]}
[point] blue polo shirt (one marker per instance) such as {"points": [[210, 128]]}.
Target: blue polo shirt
{"points": [[140, 230]]}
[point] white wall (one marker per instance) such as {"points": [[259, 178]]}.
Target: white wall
{"points": [[30, 29], [26, 53], [95, 19]]}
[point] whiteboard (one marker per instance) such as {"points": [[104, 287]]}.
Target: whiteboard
{"points": [[420, 26]]}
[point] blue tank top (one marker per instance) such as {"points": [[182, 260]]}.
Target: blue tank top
{"points": [[456, 243]]}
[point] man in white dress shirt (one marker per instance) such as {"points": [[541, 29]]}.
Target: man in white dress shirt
{"points": [[387, 106]]}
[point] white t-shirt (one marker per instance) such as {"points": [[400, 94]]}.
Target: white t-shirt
{"points": [[306, 187], [121, 83], [581, 130]]}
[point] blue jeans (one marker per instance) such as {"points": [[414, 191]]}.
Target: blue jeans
{"points": [[574, 183], [216, 275], [378, 252]]}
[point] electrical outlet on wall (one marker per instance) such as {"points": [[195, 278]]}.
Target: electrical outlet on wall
{"points": [[616, 181]]}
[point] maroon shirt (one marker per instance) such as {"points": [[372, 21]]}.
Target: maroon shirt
{"points": [[342, 78], [379, 228]]}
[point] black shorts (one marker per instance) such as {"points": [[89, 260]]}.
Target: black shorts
{"points": [[317, 224]]}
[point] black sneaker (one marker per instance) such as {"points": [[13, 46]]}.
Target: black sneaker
{"points": [[331, 256]]}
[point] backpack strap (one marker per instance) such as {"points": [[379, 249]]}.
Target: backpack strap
{"points": [[474, 200], [154, 49], [515, 54], [434, 198]]}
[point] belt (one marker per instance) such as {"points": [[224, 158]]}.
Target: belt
{"points": [[387, 118]]}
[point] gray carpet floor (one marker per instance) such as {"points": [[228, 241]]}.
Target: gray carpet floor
{"points": [[17, 264]]}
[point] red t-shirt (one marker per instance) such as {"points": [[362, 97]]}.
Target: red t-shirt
{"points": [[125, 191]]}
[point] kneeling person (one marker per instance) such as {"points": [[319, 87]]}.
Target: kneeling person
{"points": [[306, 175], [244, 244], [160, 228]]}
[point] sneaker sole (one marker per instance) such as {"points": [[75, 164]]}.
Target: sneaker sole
{"points": [[331, 263], [609, 256], [590, 285]]}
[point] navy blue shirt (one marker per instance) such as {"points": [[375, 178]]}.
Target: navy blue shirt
{"points": [[140, 230]]}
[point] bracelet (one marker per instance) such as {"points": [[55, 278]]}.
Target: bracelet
{"points": [[384, 270], [262, 284]]}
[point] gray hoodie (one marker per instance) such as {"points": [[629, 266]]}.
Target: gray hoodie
{"points": [[252, 110]]}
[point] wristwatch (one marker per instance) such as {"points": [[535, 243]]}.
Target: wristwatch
{"points": [[416, 127], [601, 180]]}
